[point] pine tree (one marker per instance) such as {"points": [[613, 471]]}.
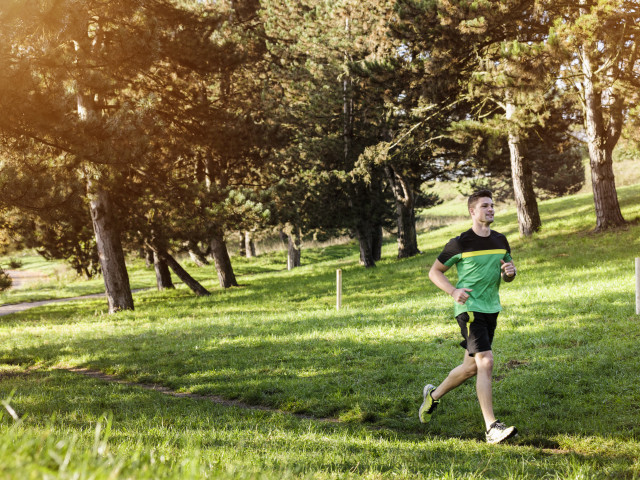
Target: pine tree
{"points": [[327, 115], [460, 43], [72, 56], [598, 44]]}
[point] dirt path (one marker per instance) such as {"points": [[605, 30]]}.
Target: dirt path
{"points": [[10, 308], [19, 307], [172, 393]]}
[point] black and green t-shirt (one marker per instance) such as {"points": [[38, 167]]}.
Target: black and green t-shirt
{"points": [[478, 262]]}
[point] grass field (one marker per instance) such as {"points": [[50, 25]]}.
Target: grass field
{"points": [[566, 370]]}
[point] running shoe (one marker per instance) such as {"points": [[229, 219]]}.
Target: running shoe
{"points": [[499, 432], [428, 405]]}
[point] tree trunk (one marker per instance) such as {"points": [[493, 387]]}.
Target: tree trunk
{"points": [[195, 254], [405, 214], [249, 245], [148, 257], [294, 241], [243, 245], [221, 258], [181, 273], [114, 269], [601, 144], [163, 275], [522, 177], [364, 234], [376, 243]]}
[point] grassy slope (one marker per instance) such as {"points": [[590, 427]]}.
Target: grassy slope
{"points": [[566, 367]]}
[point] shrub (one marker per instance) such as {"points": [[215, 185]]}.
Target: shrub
{"points": [[5, 280], [13, 264]]}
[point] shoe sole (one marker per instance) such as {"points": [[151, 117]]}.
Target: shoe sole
{"points": [[427, 388], [509, 433]]}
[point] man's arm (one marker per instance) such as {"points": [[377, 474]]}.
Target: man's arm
{"points": [[437, 276], [508, 271]]}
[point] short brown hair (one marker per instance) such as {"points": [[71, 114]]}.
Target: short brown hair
{"points": [[471, 202]]}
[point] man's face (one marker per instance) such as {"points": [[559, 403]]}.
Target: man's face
{"points": [[482, 211]]}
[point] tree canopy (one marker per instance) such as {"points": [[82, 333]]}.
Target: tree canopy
{"points": [[159, 124]]}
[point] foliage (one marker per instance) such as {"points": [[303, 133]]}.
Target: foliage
{"points": [[14, 263], [5, 280], [555, 155]]}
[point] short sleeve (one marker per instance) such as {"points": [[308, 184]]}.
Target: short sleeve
{"points": [[507, 256], [452, 252]]}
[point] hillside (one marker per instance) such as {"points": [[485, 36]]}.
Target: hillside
{"points": [[566, 368]]}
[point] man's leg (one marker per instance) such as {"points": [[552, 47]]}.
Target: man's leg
{"points": [[496, 431], [484, 363], [457, 376]]}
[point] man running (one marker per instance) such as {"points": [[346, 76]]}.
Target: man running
{"points": [[482, 257]]}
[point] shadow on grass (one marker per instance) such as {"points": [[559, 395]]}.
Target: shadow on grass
{"points": [[358, 368], [271, 441], [279, 342]]}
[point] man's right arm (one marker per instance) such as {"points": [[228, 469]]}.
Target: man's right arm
{"points": [[437, 276]]}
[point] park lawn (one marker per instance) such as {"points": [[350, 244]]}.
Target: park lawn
{"points": [[566, 368]]}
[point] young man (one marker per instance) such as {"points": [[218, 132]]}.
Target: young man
{"points": [[482, 257]]}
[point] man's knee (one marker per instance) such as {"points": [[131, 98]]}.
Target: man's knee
{"points": [[469, 367], [484, 360]]}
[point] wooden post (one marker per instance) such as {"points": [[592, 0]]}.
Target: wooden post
{"points": [[637, 286], [338, 289]]}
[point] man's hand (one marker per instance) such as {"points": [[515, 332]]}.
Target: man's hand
{"points": [[508, 270], [460, 295]]}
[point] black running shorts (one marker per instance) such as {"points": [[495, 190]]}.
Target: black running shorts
{"points": [[477, 329]]}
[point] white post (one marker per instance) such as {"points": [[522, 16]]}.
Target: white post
{"points": [[637, 286], [338, 289]]}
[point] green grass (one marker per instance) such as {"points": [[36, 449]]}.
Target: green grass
{"points": [[566, 368]]}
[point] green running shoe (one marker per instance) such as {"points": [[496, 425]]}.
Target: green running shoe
{"points": [[429, 405]]}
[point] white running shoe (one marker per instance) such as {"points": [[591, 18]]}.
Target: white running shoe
{"points": [[499, 432]]}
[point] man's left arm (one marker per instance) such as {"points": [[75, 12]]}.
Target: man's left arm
{"points": [[508, 270]]}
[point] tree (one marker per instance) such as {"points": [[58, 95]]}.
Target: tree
{"points": [[549, 147], [72, 56], [463, 44], [146, 116], [327, 115], [598, 43]]}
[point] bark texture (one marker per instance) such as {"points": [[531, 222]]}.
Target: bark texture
{"points": [[249, 245], [294, 242], [364, 232], [376, 243], [163, 275], [182, 274], [601, 140], [222, 261], [196, 254], [405, 213], [522, 178], [114, 270]]}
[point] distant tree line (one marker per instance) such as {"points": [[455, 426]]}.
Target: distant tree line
{"points": [[162, 126]]}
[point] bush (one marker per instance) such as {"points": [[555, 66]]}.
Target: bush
{"points": [[13, 264], [5, 280]]}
